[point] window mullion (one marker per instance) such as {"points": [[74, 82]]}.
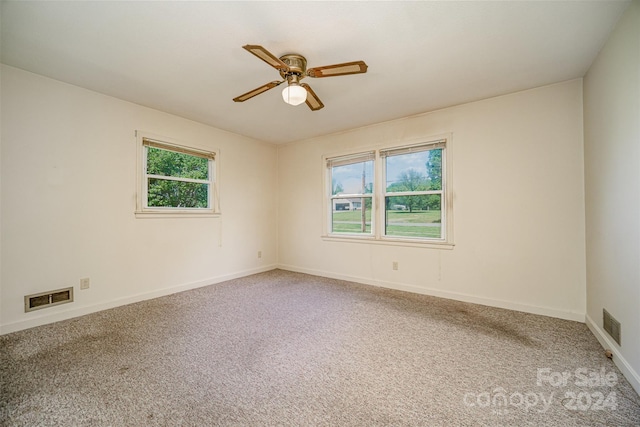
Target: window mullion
{"points": [[377, 210]]}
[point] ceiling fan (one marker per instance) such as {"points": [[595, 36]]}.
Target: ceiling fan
{"points": [[293, 68]]}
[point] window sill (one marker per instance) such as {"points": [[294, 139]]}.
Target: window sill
{"points": [[179, 214], [389, 242]]}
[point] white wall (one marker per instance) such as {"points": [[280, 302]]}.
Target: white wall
{"points": [[68, 181], [612, 179], [518, 206]]}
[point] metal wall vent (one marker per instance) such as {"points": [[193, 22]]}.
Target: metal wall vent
{"points": [[48, 299], [611, 325]]}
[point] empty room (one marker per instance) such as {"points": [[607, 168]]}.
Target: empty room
{"points": [[320, 213]]}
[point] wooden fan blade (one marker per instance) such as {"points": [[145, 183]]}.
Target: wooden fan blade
{"points": [[266, 56], [312, 99], [257, 91], [356, 67]]}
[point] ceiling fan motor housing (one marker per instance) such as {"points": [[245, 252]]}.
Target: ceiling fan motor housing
{"points": [[297, 65]]}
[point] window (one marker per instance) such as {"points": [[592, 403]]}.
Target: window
{"points": [[175, 179], [413, 191], [395, 194], [351, 193]]}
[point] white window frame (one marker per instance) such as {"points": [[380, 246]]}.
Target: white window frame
{"points": [[145, 140], [378, 213], [350, 160]]}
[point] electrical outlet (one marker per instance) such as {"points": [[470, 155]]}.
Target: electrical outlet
{"points": [[394, 265], [85, 283], [259, 254]]}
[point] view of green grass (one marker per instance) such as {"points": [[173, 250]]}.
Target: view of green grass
{"points": [[394, 216], [414, 217], [350, 222], [413, 231], [351, 215], [350, 228]]}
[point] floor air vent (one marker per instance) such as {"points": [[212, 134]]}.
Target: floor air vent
{"points": [[611, 325], [48, 299]]}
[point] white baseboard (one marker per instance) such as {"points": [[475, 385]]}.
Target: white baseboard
{"points": [[81, 311], [544, 311], [627, 370]]}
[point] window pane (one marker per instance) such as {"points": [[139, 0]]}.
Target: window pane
{"points": [[177, 194], [414, 216], [355, 178], [414, 171], [170, 163], [347, 215]]}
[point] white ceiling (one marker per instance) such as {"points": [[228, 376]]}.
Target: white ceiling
{"points": [[185, 58]]}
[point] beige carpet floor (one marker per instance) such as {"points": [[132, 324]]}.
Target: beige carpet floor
{"points": [[289, 349]]}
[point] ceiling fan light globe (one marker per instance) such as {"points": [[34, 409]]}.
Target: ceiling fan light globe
{"points": [[294, 95]]}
